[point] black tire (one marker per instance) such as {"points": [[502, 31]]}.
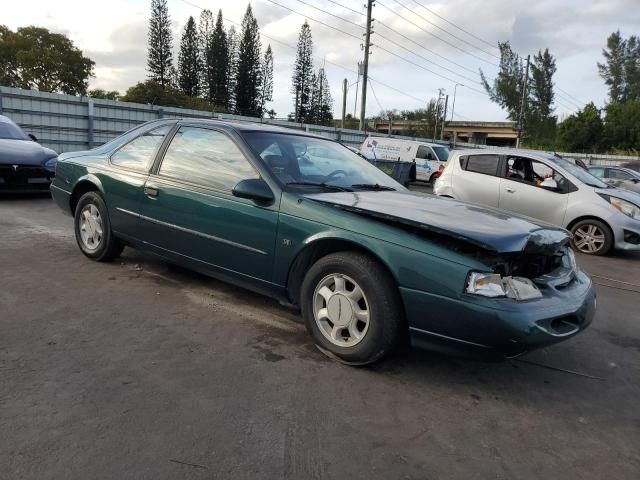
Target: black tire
{"points": [[433, 178], [109, 247], [386, 315], [579, 227]]}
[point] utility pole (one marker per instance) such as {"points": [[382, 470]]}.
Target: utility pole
{"points": [[444, 116], [523, 104], [435, 127], [453, 107], [365, 65], [344, 100]]}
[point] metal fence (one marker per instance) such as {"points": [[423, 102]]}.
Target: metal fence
{"points": [[66, 123]]}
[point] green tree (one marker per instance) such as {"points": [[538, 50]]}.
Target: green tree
{"points": [[249, 81], [540, 122], [321, 101], [205, 45], [506, 90], [581, 132], [160, 52], [302, 80], [424, 119], [152, 93], [104, 94], [613, 70], [232, 68], [35, 58], [266, 93], [220, 64], [189, 60], [622, 126]]}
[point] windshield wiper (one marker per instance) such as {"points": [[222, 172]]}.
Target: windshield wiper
{"points": [[372, 186], [327, 186]]}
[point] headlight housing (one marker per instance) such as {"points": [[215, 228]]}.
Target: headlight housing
{"points": [[51, 163], [494, 285], [623, 206]]}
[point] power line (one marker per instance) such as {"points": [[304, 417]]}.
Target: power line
{"points": [[328, 13], [434, 35], [580, 102], [293, 47], [346, 8], [445, 31], [376, 97], [453, 24], [380, 22]]}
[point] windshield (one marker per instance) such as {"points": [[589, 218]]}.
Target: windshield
{"points": [[300, 160], [442, 153], [11, 131], [580, 173]]}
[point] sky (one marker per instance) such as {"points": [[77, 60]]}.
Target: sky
{"points": [[441, 43]]}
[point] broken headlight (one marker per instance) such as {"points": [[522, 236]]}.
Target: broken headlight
{"points": [[494, 285]]}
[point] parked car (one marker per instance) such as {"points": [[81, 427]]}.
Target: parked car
{"points": [[427, 157], [365, 260], [25, 165], [632, 165], [618, 177], [550, 189]]}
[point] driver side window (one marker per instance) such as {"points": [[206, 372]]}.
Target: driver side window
{"points": [[534, 173], [424, 153]]}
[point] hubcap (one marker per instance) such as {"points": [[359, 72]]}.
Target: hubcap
{"points": [[341, 310], [90, 227], [589, 239]]}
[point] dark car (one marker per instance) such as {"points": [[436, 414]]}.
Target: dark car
{"points": [[25, 165], [303, 219]]}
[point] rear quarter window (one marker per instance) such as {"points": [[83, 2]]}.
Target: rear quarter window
{"points": [[485, 164]]}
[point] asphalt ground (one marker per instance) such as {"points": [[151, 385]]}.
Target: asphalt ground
{"points": [[138, 369]]}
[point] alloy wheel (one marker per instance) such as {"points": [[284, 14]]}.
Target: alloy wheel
{"points": [[589, 239], [91, 228], [341, 310]]}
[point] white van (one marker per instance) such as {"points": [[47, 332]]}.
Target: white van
{"points": [[428, 157]]}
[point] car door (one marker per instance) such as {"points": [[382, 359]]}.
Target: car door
{"points": [[125, 181], [477, 180], [425, 158], [521, 193], [189, 210]]}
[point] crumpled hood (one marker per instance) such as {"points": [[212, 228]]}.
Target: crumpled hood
{"points": [[23, 152], [488, 228]]}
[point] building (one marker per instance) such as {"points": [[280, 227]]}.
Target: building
{"points": [[498, 134]]}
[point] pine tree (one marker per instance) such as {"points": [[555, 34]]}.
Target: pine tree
{"points": [[540, 121], [267, 80], [160, 53], [189, 60], [232, 69], [220, 64], [621, 70], [205, 45], [248, 81], [324, 113], [302, 81]]}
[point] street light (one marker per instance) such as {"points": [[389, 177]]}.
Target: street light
{"points": [[453, 107]]}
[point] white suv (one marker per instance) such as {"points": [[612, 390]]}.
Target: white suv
{"points": [[547, 188]]}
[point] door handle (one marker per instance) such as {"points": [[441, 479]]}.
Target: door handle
{"points": [[151, 191], [510, 190]]}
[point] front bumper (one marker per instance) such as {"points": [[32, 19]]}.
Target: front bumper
{"points": [[626, 232], [24, 179], [482, 327]]}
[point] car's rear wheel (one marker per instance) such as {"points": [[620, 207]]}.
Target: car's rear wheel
{"points": [[433, 178], [351, 307], [93, 229], [592, 237]]}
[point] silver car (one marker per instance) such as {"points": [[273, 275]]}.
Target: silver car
{"points": [[548, 188], [618, 177]]}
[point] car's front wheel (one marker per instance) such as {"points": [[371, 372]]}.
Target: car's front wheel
{"points": [[93, 229], [592, 237], [351, 307]]}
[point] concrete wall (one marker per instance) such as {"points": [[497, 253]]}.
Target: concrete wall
{"points": [[66, 123]]}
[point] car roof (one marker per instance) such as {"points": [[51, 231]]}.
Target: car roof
{"points": [[381, 139], [536, 154], [244, 126]]}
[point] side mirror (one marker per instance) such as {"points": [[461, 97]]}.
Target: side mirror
{"points": [[253, 189], [32, 137], [635, 180], [549, 184]]}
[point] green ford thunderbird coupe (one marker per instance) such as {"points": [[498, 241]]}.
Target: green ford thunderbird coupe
{"points": [[303, 219]]}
